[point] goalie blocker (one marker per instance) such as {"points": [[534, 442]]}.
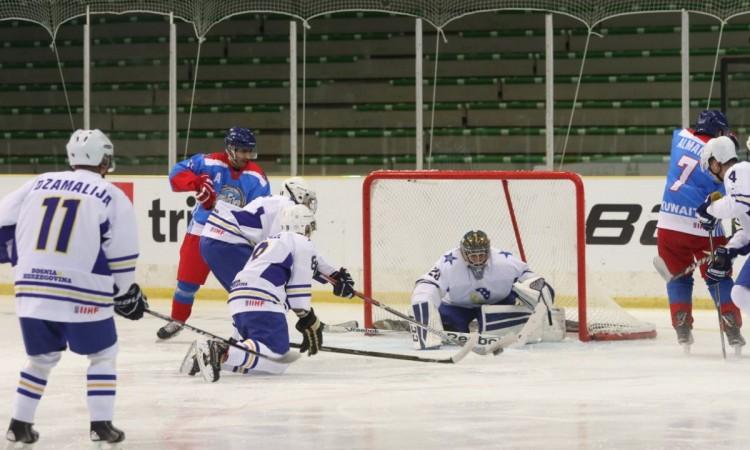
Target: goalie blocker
{"points": [[502, 320]]}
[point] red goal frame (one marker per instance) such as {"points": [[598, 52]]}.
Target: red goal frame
{"points": [[502, 176]]}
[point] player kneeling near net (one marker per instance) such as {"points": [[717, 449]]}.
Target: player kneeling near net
{"points": [[277, 278], [478, 282]]}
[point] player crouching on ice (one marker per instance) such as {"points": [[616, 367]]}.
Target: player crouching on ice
{"points": [[482, 283], [719, 158], [277, 278]]}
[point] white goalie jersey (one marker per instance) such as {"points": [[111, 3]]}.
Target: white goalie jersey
{"points": [[451, 281], [76, 240], [277, 277], [248, 225], [736, 204]]}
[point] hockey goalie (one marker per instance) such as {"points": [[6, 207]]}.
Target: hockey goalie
{"points": [[479, 286]]}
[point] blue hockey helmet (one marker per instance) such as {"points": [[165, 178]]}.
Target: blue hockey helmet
{"points": [[712, 122], [242, 140]]}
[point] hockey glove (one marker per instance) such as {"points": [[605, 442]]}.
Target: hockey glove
{"points": [[132, 304], [721, 267], [205, 193], [344, 284], [707, 221], [312, 332]]}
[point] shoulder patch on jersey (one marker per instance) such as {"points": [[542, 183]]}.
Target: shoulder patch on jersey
{"points": [[449, 258]]}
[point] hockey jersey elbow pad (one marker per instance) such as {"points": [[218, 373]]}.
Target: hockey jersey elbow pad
{"points": [[8, 252], [185, 180]]}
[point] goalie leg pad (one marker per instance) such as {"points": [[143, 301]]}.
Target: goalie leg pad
{"points": [[429, 315], [555, 332]]}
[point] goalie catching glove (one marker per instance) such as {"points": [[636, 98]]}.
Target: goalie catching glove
{"points": [[132, 304], [312, 331], [343, 285]]}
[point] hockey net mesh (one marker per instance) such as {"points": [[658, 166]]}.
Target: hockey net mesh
{"points": [[205, 14], [413, 222]]}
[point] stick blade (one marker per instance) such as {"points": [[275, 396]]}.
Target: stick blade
{"points": [[468, 347], [661, 268]]}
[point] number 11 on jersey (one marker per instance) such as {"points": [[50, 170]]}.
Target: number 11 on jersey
{"points": [[63, 238]]}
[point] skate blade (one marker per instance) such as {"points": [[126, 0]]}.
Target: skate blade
{"points": [[187, 361], [686, 348], [737, 351]]}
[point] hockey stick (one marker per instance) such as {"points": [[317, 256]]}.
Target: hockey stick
{"points": [[288, 358], [399, 314], [458, 356], [661, 267], [716, 298]]}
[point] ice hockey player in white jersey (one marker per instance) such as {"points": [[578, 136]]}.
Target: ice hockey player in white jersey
{"points": [[472, 282], [231, 232], [719, 157], [277, 278], [72, 239]]}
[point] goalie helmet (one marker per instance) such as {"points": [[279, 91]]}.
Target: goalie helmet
{"points": [[723, 149], [90, 148], [298, 219], [712, 122], [475, 249], [297, 190], [240, 139]]}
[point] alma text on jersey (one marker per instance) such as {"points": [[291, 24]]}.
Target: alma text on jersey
{"points": [[690, 145]]}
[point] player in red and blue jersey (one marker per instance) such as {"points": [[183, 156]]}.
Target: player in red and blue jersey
{"points": [[231, 176], [680, 238]]}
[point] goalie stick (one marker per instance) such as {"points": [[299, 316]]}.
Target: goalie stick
{"points": [[287, 358], [399, 314], [661, 267], [458, 356], [456, 336]]}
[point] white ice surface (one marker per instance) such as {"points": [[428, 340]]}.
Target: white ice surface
{"points": [[569, 395]]}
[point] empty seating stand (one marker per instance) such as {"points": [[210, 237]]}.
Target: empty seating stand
{"points": [[359, 90]]}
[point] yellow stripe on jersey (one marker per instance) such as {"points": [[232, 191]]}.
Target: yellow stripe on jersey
{"points": [[76, 295], [255, 293], [298, 291], [222, 223]]}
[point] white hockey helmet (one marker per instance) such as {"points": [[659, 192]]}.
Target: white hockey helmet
{"points": [[297, 190], [298, 219], [723, 149], [90, 148]]}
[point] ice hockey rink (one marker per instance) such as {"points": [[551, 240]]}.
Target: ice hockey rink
{"points": [[568, 395]]}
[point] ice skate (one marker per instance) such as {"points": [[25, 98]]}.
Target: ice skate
{"points": [[19, 431], [189, 364], [103, 430], [732, 331], [169, 330], [684, 331], [209, 355]]}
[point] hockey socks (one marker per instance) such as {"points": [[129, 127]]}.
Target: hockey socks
{"points": [[246, 363], [31, 385], [101, 384], [182, 302]]}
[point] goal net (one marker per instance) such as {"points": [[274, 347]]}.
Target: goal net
{"points": [[412, 218]]}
